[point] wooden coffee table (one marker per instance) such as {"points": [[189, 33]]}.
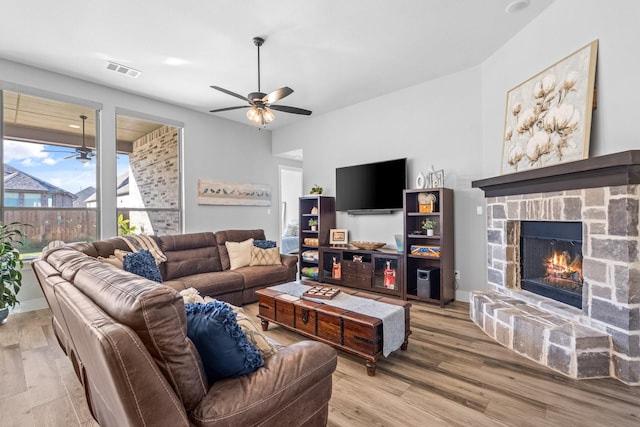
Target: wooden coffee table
{"points": [[355, 333]]}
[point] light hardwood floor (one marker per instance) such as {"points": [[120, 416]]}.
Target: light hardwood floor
{"points": [[452, 374]]}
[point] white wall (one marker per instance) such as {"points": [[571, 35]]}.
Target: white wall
{"points": [[561, 29], [437, 122], [214, 148]]}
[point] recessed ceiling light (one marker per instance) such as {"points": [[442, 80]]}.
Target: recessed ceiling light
{"points": [[517, 6], [176, 61], [74, 126]]}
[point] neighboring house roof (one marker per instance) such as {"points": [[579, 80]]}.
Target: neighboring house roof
{"points": [[83, 195], [122, 188], [17, 181]]}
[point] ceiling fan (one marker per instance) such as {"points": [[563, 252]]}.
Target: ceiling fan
{"points": [[82, 153], [260, 104]]}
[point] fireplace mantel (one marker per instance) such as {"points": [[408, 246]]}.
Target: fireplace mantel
{"points": [[609, 170]]}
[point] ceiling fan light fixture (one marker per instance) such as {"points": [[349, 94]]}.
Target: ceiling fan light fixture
{"points": [[254, 115], [268, 115], [83, 159]]}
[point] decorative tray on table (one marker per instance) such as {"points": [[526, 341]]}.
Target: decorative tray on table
{"points": [[321, 292]]}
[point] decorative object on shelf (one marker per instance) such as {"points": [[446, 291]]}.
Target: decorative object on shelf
{"points": [[356, 258], [10, 265], [429, 225], [389, 280], [426, 251], [368, 246], [399, 242], [314, 210], [313, 223], [321, 292], [233, 193], [437, 178], [316, 189], [421, 181], [336, 269], [548, 117], [310, 241], [338, 237], [426, 202]]}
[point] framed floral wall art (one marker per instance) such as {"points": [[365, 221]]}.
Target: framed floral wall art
{"points": [[548, 117]]}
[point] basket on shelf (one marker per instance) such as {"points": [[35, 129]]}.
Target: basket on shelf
{"points": [[368, 246]]}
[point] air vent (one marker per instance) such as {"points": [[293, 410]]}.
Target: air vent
{"points": [[128, 71]]}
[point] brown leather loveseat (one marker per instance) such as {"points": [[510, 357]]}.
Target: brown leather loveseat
{"points": [[126, 337]]}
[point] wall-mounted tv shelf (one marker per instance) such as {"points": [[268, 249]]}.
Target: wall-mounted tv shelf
{"points": [[311, 240], [430, 266]]}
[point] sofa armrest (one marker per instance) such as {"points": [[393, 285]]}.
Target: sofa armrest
{"points": [[297, 375], [288, 260]]}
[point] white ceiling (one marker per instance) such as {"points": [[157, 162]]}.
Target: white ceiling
{"points": [[333, 53]]}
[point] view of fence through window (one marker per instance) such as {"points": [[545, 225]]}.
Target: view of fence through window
{"points": [[50, 178]]}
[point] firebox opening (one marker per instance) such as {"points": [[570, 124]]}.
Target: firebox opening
{"points": [[551, 260]]}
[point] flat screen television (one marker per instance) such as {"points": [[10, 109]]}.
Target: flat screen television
{"points": [[372, 187]]}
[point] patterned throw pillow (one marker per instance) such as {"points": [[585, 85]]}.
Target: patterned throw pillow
{"points": [[143, 264], [224, 349], [265, 256]]}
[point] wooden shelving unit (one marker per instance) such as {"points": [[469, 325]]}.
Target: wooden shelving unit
{"points": [[438, 271], [325, 214]]}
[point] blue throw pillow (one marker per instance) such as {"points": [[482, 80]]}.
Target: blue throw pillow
{"points": [[264, 244], [143, 264], [224, 349]]}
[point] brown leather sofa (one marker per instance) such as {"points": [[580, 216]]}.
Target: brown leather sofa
{"points": [[126, 337], [201, 261]]}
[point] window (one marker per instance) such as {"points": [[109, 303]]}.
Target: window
{"points": [[47, 178], [148, 177]]}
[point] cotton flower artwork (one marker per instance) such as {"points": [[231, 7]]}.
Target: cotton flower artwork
{"points": [[548, 117]]}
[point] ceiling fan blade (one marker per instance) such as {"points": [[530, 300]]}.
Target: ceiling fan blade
{"points": [[229, 108], [71, 156], [277, 95], [293, 110], [228, 92]]}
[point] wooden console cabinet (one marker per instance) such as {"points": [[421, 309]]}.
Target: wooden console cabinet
{"points": [[379, 271]]}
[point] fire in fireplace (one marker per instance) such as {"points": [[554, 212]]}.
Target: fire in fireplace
{"points": [[551, 260]]}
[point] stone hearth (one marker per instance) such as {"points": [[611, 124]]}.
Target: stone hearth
{"points": [[602, 338]]}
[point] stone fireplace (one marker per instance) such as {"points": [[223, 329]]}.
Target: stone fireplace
{"points": [[600, 335]]}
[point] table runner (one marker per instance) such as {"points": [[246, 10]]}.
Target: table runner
{"points": [[392, 316]]}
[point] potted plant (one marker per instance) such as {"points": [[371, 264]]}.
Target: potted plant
{"points": [[10, 265], [316, 189], [429, 225], [313, 223]]}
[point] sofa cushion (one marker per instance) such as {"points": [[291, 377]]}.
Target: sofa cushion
{"points": [[269, 256], [220, 282], [189, 254], [234, 236], [239, 253], [263, 276], [156, 313], [224, 349], [143, 264]]}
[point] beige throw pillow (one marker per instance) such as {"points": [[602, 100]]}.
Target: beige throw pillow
{"points": [[254, 334], [239, 253], [269, 256]]}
